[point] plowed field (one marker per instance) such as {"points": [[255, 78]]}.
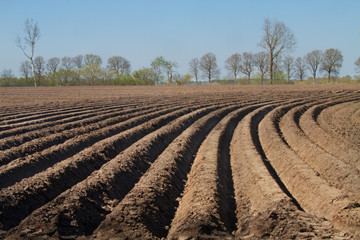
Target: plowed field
{"points": [[204, 162]]}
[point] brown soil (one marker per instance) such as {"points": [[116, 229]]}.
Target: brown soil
{"points": [[193, 162]]}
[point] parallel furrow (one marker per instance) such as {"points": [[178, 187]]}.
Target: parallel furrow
{"points": [[326, 141], [87, 203], [312, 192], [22, 168], [336, 121], [263, 207], [60, 115], [87, 119], [102, 128], [69, 119], [149, 207], [44, 186], [332, 169], [207, 207]]}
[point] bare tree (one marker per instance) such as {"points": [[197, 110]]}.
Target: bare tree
{"points": [[357, 64], [288, 63], [25, 69], [261, 61], [119, 65], [331, 61], [53, 64], [312, 61], [169, 68], [300, 68], [6, 77], [39, 64], [233, 64], [247, 64], [194, 68], [32, 35], [277, 39], [67, 63], [92, 59], [208, 66], [78, 61]]}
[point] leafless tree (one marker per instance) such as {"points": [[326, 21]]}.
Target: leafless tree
{"points": [[277, 39], [261, 61], [288, 63], [312, 61], [119, 65], [39, 64], [247, 64], [169, 67], [300, 68], [331, 61], [53, 64], [357, 65], [92, 59], [32, 35], [194, 68], [67, 63], [25, 69], [78, 61], [233, 64], [6, 77], [209, 66]]}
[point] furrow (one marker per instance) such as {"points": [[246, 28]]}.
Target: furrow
{"points": [[332, 169], [329, 143], [38, 145], [44, 186], [114, 114], [79, 210], [48, 118], [41, 125], [32, 164], [49, 115], [312, 192], [263, 209], [336, 122], [207, 207], [151, 204]]}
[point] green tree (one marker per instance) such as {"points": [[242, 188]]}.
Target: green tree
{"points": [[157, 65], [92, 72], [145, 76]]}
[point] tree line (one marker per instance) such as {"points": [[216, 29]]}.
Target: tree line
{"points": [[273, 64]]}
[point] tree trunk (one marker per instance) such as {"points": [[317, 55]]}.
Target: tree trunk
{"points": [[329, 76], [271, 68], [314, 77], [33, 71]]}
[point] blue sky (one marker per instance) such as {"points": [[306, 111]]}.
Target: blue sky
{"points": [[179, 30]]}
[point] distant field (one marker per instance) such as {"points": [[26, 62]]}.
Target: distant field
{"points": [[219, 162]]}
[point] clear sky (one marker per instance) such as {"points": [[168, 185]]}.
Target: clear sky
{"points": [[178, 30]]}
